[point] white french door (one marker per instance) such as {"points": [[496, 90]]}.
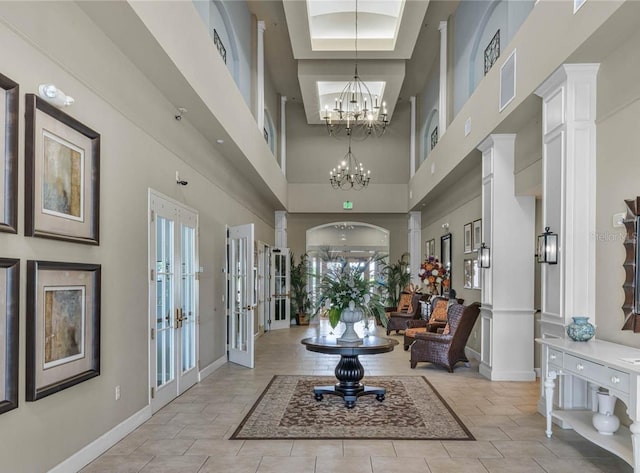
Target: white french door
{"points": [[173, 299], [240, 300], [280, 285]]}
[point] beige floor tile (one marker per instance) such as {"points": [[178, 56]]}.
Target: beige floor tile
{"points": [[522, 448], [317, 448], [419, 449], [399, 465], [477, 449], [576, 448], [174, 464], [224, 464], [164, 447], [127, 445], [118, 464], [455, 465], [369, 448], [158, 431], [288, 464], [347, 464], [275, 448], [161, 417], [503, 410], [188, 418], [488, 433], [589, 465], [511, 465], [211, 431], [490, 420], [212, 448]]}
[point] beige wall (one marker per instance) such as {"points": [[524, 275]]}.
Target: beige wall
{"points": [[618, 171], [140, 149]]}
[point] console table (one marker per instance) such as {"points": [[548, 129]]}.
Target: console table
{"points": [[349, 371], [601, 364]]}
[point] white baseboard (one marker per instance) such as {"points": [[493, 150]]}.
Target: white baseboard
{"points": [[207, 370], [471, 353], [495, 375], [103, 443], [538, 372]]}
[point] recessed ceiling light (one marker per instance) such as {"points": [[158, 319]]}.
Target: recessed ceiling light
{"points": [[219, 141]]}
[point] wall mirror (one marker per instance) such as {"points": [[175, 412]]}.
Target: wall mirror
{"points": [[445, 251], [631, 286]]}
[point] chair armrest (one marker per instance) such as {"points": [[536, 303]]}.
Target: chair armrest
{"points": [[436, 326], [433, 337], [415, 323], [401, 314]]}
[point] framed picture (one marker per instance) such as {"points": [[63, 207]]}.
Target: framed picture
{"points": [[9, 300], [9, 96], [477, 234], [468, 275], [467, 238], [475, 274], [430, 248], [62, 175], [63, 326]]}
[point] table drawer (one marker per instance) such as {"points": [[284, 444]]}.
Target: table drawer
{"points": [[555, 357], [585, 368], [617, 380]]}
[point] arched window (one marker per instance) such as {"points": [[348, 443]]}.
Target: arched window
{"points": [[430, 138], [223, 35]]}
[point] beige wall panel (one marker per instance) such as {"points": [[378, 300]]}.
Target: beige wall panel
{"points": [[323, 198], [133, 158]]}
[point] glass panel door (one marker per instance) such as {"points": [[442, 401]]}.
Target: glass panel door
{"points": [[240, 306], [173, 299], [280, 298]]}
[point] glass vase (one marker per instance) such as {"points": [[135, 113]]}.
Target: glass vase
{"points": [[580, 330]]}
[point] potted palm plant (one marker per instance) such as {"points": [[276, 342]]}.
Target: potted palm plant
{"points": [[300, 301], [396, 278]]}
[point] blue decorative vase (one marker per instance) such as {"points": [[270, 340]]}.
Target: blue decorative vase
{"points": [[580, 329]]}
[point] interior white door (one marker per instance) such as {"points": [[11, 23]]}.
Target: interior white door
{"points": [[173, 299], [240, 320], [280, 285]]}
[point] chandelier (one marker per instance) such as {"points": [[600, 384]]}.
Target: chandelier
{"points": [[356, 111], [349, 174]]}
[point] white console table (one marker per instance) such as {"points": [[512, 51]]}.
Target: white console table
{"points": [[602, 365]]}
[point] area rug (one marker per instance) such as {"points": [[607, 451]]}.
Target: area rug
{"points": [[412, 410]]}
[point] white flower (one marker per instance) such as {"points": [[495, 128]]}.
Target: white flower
{"points": [[434, 272], [352, 305]]}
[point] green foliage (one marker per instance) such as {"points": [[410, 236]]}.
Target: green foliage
{"points": [[344, 286], [299, 273], [396, 278]]}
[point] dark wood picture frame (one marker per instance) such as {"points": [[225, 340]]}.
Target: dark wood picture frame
{"points": [[476, 235], [9, 160], [10, 341], [61, 276], [467, 237], [38, 223], [631, 285]]}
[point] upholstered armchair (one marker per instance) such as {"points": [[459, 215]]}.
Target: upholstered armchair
{"points": [[404, 312], [437, 320], [447, 348]]}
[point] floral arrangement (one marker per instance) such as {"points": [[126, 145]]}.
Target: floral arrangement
{"points": [[433, 273], [344, 286]]}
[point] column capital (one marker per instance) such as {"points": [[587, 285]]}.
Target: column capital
{"points": [[261, 26], [283, 99], [443, 26], [565, 73], [495, 139]]}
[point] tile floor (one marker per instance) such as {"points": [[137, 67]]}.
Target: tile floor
{"points": [[191, 433]]}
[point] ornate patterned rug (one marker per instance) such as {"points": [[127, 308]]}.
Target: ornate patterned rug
{"points": [[412, 410]]}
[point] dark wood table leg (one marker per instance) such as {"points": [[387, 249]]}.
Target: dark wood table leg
{"points": [[349, 372]]}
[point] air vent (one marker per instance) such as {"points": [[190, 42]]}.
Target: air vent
{"points": [[508, 81]]}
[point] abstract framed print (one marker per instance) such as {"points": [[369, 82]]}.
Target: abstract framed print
{"points": [[62, 175], [63, 326]]}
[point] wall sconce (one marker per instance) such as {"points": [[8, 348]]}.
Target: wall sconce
{"points": [[484, 256], [54, 96], [547, 247], [445, 227]]}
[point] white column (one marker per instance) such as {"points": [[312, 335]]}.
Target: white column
{"points": [[260, 78], [569, 192], [412, 145], [281, 229], [283, 134], [508, 229], [414, 246], [442, 100]]}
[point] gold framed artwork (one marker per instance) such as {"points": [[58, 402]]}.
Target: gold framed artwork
{"points": [[9, 308], [467, 237], [477, 234], [63, 326], [430, 247], [62, 175], [9, 96]]}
